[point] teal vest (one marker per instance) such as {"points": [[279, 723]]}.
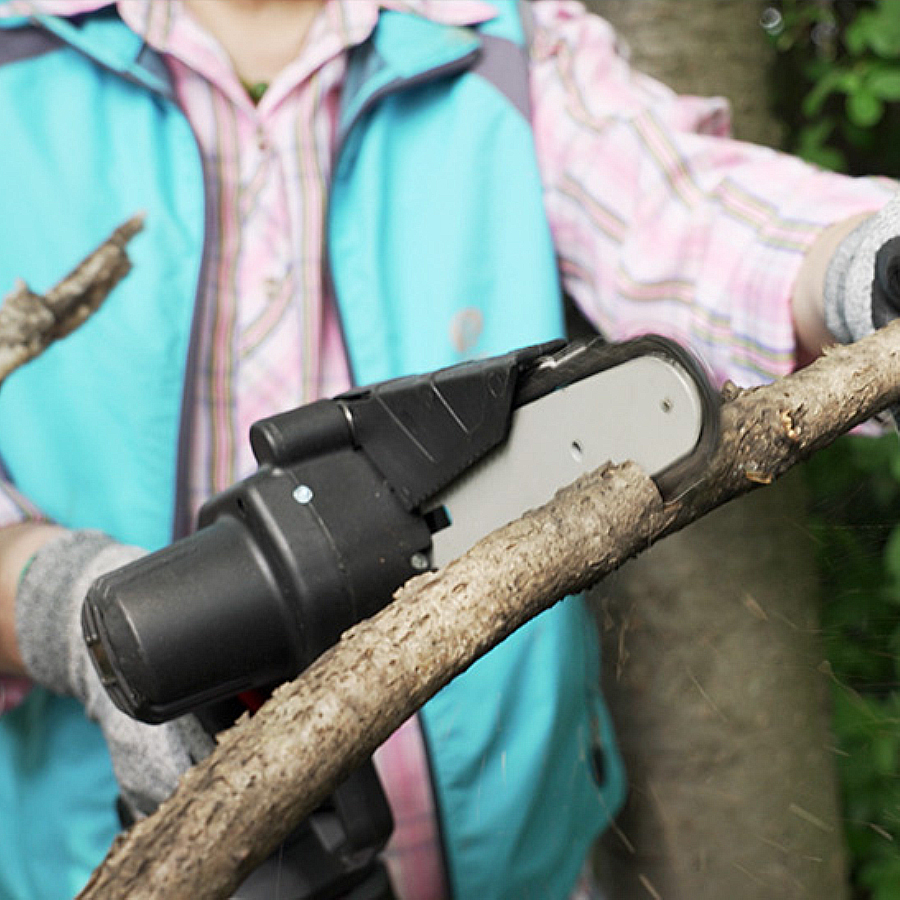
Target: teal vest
{"points": [[438, 249]]}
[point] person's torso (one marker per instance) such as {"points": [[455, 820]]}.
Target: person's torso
{"points": [[438, 250]]}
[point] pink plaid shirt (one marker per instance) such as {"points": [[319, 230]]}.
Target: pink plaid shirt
{"points": [[661, 223]]}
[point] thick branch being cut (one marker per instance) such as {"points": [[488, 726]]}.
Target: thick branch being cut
{"points": [[270, 771]]}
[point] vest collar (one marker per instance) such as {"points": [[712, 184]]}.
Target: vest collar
{"points": [[406, 47], [404, 50], [103, 37]]}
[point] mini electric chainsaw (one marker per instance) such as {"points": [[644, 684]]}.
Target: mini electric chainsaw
{"points": [[356, 494], [352, 497]]}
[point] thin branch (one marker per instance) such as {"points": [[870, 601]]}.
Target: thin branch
{"points": [[30, 322]]}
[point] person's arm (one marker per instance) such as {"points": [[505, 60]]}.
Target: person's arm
{"points": [[807, 302], [18, 544], [663, 223], [46, 572], [23, 531]]}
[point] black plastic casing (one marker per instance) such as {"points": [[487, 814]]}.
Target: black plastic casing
{"points": [[327, 529], [316, 540]]}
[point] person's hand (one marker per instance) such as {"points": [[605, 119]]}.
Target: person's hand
{"points": [[862, 283], [148, 760]]}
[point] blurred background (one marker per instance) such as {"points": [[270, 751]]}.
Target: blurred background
{"points": [[753, 661]]}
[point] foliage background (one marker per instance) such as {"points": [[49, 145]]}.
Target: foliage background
{"points": [[836, 86]]}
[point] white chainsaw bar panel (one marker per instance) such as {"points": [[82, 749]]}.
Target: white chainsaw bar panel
{"points": [[647, 409]]}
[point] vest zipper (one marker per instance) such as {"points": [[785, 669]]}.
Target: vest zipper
{"points": [[456, 66], [182, 517]]}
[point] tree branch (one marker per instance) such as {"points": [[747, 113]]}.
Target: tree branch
{"points": [[270, 771], [30, 322]]}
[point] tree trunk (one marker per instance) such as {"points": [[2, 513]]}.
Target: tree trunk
{"points": [[712, 663]]}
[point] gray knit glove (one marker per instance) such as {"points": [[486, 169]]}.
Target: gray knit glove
{"points": [[148, 760], [862, 282]]}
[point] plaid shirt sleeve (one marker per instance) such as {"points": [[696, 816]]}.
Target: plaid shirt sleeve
{"points": [[14, 508], [664, 223]]}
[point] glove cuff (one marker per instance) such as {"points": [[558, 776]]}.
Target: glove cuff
{"points": [[147, 759], [846, 320], [848, 294], [48, 607]]}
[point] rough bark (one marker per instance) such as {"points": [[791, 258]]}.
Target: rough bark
{"points": [[270, 771], [30, 322], [715, 683]]}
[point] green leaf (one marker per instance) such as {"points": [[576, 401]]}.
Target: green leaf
{"points": [[833, 80], [892, 556], [884, 752], [859, 33], [876, 28], [825, 158], [882, 876], [888, 888], [885, 41], [885, 83], [813, 147], [864, 108]]}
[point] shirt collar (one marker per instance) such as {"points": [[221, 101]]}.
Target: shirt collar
{"points": [[164, 25], [63, 8], [343, 24], [446, 12]]}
